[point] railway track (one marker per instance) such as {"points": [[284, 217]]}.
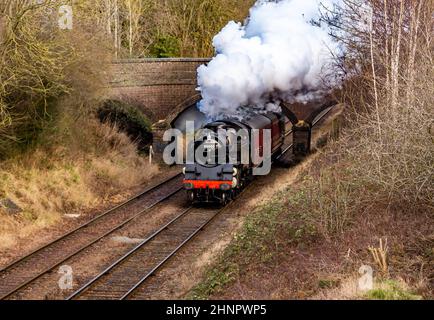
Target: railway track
{"points": [[24, 271], [123, 278]]}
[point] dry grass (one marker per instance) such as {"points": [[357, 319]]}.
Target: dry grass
{"points": [[55, 157], [47, 184], [376, 181], [348, 290], [383, 290]]}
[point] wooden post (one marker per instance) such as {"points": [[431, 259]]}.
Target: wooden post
{"points": [[151, 153]]}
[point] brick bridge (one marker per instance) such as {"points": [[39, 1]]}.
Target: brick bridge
{"points": [[161, 88]]}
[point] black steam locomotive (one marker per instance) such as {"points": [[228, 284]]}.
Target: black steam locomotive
{"points": [[216, 180]]}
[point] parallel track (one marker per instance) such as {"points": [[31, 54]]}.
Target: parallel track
{"points": [[20, 273], [121, 279], [125, 276]]}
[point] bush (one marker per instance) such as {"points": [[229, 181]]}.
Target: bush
{"points": [[40, 67], [165, 47], [390, 143], [32, 76], [129, 120]]}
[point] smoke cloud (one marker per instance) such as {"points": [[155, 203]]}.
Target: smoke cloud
{"points": [[283, 52]]}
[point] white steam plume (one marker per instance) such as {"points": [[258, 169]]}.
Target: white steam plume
{"points": [[282, 53]]}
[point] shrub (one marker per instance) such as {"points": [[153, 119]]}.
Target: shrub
{"points": [[165, 47], [31, 73], [390, 143], [129, 120], [41, 64]]}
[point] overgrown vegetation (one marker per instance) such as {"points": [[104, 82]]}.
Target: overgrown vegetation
{"points": [[389, 144], [129, 120], [55, 156], [143, 28], [39, 65], [379, 173]]}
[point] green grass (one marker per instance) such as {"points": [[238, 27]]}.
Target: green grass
{"points": [[391, 290]]}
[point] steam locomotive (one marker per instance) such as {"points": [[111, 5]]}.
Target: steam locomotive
{"points": [[219, 181]]}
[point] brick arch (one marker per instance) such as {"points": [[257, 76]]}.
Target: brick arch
{"points": [[155, 86], [286, 110], [181, 107]]}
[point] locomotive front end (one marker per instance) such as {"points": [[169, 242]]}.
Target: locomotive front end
{"points": [[224, 156], [211, 178], [208, 184]]}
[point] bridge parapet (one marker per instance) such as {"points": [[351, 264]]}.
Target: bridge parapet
{"points": [[155, 86]]}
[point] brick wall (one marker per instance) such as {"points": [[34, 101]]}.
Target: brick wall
{"points": [[156, 86]]}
